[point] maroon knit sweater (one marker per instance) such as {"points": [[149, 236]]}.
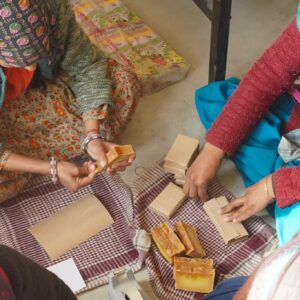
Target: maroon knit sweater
{"points": [[273, 74]]}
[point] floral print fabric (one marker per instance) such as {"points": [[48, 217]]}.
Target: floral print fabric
{"points": [[28, 32], [45, 122]]}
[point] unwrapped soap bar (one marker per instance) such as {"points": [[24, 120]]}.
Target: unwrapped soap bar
{"points": [[167, 242], [194, 274], [117, 154], [190, 240]]}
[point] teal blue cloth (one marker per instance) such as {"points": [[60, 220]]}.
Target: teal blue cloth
{"points": [[298, 17], [258, 155], [2, 86]]}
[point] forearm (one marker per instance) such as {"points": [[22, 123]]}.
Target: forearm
{"points": [[271, 75], [91, 126], [21, 163]]}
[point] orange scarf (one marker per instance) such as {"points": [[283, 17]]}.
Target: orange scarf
{"points": [[17, 81]]}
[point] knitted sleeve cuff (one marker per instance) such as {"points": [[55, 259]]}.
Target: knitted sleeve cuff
{"points": [[287, 186]]}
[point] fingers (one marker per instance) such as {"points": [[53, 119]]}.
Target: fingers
{"points": [[121, 164], [239, 215], [202, 193], [86, 169], [100, 149], [236, 211], [231, 206], [84, 181], [86, 175], [131, 159], [101, 155], [194, 191]]}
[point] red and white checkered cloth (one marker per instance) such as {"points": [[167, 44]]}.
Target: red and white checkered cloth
{"points": [[110, 249], [229, 260], [125, 242]]}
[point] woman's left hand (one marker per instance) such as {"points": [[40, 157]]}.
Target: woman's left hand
{"points": [[255, 199], [97, 149]]}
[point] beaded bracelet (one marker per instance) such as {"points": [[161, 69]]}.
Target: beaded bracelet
{"points": [[4, 158], [53, 170], [88, 139]]}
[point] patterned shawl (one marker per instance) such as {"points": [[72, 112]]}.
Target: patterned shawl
{"points": [[29, 32]]}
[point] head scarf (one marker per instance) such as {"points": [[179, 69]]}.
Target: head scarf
{"points": [[28, 32]]}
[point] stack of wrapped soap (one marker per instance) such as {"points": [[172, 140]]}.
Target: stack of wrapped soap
{"points": [[180, 156], [192, 273]]}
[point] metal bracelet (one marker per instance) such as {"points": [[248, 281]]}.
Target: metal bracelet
{"points": [[3, 159], [88, 139], [53, 170]]}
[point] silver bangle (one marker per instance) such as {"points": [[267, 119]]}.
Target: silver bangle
{"points": [[88, 139], [4, 158], [53, 170]]}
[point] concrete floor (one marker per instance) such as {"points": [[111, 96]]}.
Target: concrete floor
{"points": [[161, 116]]}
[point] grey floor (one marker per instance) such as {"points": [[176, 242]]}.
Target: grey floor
{"points": [[161, 116]]}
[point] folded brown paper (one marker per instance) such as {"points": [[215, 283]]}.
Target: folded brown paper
{"points": [[71, 226], [230, 232]]}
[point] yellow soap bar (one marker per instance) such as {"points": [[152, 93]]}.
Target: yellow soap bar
{"points": [[194, 275], [167, 242], [117, 154], [190, 240]]}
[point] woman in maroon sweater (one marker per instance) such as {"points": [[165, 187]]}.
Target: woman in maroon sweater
{"points": [[272, 75]]}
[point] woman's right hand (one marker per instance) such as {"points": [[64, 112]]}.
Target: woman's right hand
{"points": [[202, 171], [74, 177]]}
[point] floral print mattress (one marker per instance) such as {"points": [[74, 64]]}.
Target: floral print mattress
{"points": [[125, 37]]}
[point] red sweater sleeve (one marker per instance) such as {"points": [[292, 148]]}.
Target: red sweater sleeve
{"points": [[286, 183], [271, 75]]}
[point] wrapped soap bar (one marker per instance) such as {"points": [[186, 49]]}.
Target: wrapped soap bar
{"points": [[230, 232], [168, 201]]}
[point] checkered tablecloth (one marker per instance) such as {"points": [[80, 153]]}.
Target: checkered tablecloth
{"points": [[110, 249], [229, 260], [125, 242]]}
